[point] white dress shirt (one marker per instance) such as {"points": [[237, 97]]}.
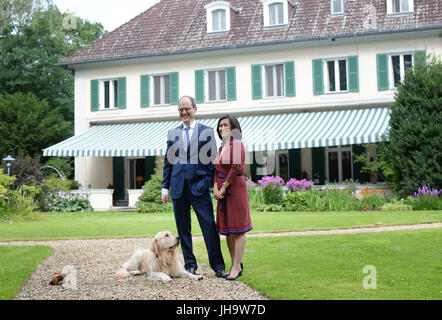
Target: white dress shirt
{"points": [[192, 127]]}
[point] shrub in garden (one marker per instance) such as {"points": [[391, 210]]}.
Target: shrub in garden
{"points": [[299, 185], [150, 200], [415, 133], [255, 192], [70, 203], [272, 189], [396, 206], [426, 198], [339, 200]]}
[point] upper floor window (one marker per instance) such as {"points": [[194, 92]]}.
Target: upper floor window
{"points": [[218, 16], [336, 77], [161, 89], [275, 12], [337, 7], [217, 85], [109, 94], [400, 6], [399, 64], [274, 80]]}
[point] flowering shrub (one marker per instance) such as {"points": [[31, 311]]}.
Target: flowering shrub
{"points": [[271, 181], [299, 185], [272, 189], [426, 199], [425, 191]]}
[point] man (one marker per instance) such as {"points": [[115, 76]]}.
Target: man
{"points": [[188, 172]]}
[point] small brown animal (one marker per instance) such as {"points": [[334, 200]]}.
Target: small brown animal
{"points": [[57, 278]]}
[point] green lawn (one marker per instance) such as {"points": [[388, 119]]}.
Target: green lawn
{"points": [[16, 266], [408, 265], [121, 225]]}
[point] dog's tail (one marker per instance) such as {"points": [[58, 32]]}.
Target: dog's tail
{"points": [[122, 273]]}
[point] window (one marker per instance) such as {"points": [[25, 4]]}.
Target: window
{"points": [[339, 164], [108, 94], [399, 64], [275, 12], [336, 75], [337, 7], [400, 6], [218, 16], [217, 85], [161, 90], [219, 20], [274, 80]]}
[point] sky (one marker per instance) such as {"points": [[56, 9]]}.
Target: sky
{"points": [[110, 13]]}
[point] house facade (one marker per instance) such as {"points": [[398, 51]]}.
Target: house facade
{"points": [[310, 81]]}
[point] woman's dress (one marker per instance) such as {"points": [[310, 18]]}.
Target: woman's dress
{"points": [[233, 214]]}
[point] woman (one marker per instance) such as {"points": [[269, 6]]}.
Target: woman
{"points": [[230, 189]]}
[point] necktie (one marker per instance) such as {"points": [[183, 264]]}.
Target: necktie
{"points": [[187, 138]]}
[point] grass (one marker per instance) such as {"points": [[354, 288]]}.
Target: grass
{"points": [[16, 266], [127, 225], [330, 267]]}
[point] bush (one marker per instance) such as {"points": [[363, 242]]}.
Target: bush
{"points": [[396, 206], [415, 133], [153, 207], [296, 201], [150, 200], [70, 203], [372, 202], [272, 189], [426, 198], [339, 200], [269, 208]]}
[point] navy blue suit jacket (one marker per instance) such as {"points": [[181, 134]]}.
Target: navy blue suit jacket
{"points": [[197, 167]]}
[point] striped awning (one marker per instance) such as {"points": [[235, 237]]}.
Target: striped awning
{"points": [[265, 132]]}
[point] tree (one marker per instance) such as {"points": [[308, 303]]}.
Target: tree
{"points": [[29, 124], [415, 134], [34, 36]]}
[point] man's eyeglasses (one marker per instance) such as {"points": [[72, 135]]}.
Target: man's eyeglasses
{"points": [[182, 110]]}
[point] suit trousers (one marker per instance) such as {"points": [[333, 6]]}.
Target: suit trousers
{"points": [[203, 208]]}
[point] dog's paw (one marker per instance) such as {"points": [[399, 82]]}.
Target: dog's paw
{"points": [[122, 273]]}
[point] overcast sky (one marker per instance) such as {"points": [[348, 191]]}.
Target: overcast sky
{"points": [[110, 13]]}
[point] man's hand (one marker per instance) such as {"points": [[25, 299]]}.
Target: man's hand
{"points": [[164, 198]]}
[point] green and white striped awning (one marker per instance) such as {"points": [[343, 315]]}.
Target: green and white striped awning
{"points": [[265, 132]]}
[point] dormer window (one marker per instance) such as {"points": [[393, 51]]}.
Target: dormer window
{"points": [[337, 7], [400, 6], [218, 16], [275, 12]]}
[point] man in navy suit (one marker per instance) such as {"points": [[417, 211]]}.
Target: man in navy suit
{"points": [[188, 172]]}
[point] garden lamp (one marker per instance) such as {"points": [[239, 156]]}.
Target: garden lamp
{"points": [[8, 160]]}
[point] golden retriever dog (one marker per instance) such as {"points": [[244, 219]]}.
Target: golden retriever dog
{"points": [[160, 262]]}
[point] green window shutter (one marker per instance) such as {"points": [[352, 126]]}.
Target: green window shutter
{"points": [[289, 72], [145, 91], [318, 77], [122, 93], [256, 81], [295, 168], [94, 95], [231, 83], [357, 174], [420, 57], [318, 164], [118, 178], [174, 88], [353, 74], [199, 86], [382, 66]]}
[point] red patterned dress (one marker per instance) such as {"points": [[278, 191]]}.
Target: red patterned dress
{"points": [[232, 213]]}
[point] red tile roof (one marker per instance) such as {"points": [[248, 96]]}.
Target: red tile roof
{"points": [[179, 26]]}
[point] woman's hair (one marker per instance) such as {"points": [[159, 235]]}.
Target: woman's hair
{"points": [[236, 128]]}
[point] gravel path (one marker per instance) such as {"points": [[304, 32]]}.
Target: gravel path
{"points": [[93, 263]]}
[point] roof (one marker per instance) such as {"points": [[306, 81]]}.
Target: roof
{"points": [[179, 26]]}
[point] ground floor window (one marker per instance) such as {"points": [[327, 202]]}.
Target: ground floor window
{"points": [[136, 169], [339, 164]]}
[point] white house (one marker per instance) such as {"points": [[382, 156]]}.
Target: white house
{"points": [[310, 81]]}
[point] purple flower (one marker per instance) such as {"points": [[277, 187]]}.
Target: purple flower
{"points": [[299, 185], [426, 191], [271, 181]]}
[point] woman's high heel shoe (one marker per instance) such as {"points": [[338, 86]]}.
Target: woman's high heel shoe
{"points": [[239, 274]]}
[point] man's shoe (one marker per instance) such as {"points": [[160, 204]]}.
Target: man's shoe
{"points": [[191, 270], [220, 273]]}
